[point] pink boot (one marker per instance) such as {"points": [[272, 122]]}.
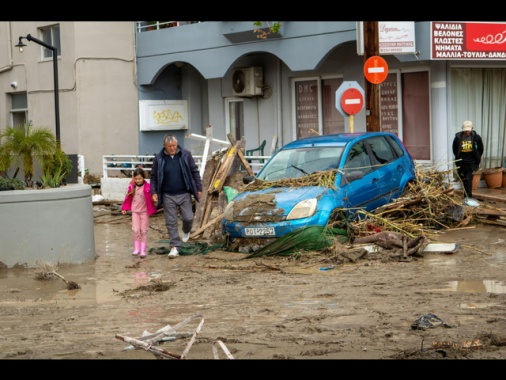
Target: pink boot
{"points": [[143, 249], [137, 247]]}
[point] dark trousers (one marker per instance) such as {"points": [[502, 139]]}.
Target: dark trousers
{"points": [[172, 204], [465, 173]]}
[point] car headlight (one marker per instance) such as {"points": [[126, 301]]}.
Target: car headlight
{"points": [[303, 209], [228, 214]]}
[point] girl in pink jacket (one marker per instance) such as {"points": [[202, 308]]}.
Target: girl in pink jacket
{"points": [[138, 200]]}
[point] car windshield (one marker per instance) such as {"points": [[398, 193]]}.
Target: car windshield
{"points": [[295, 163]]}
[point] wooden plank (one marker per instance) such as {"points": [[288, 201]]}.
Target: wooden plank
{"points": [[501, 223], [217, 169], [148, 347], [240, 154], [223, 171], [206, 226], [207, 210], [245, 163], [485, 211], [201, 205]]}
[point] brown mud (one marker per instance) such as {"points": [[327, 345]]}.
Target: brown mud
{"points": [[262, 308]]}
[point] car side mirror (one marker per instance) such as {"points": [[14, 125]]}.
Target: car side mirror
{"points": [[354, 175], [248, 179]]}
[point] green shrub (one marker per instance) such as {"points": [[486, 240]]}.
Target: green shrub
{"points": [[11, 184]]}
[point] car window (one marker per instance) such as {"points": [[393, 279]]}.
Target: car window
{"points": [[395, 145], [358, 159], [382, 152], [295, 163]]}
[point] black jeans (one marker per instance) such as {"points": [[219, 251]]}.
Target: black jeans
{"points": [[465, 173]]}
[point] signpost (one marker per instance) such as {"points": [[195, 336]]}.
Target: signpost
{"points": [[349, 100]]}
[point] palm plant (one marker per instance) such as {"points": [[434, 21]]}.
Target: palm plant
{"points": [[28, 145], [55, 168]]}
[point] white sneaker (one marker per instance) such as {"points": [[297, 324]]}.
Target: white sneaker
{"points": [[185, 237], [173, 253], [471, 202]]}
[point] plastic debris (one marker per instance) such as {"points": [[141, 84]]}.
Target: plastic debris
{"points": [[429, 321]]}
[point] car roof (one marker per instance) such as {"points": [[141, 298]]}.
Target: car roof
{"points": [[337, 139]]}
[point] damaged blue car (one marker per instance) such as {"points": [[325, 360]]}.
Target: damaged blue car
{"points": [[314, 180]]}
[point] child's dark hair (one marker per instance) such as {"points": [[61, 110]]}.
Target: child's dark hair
{"points": [[138, 171]]}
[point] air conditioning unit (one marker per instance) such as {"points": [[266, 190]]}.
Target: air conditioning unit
{"points": [[248, 81]]}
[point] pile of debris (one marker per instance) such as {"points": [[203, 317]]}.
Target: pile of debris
{"points": [[428, 206]]}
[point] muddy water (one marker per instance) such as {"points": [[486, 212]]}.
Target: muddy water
{"points": [[299, 311], [103, 278]]}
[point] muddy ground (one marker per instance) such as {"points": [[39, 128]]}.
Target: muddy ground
{"points": [[262, 308]]}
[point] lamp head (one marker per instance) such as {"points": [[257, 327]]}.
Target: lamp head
{"points": [[20, 44]]}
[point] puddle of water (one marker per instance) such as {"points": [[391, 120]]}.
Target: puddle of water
{"points": [[476, 305], [476, 286], [307, 302], [23, 287]]}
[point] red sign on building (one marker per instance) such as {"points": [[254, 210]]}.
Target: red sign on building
{"points": [[468, 40]]}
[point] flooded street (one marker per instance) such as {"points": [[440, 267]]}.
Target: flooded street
{"points": [[262, 308]]}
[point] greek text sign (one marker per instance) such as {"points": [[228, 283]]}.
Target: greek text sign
{"points": [[163, 115], [468, 40], [396, 37]]}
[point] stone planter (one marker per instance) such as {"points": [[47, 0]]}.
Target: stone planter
{"points": [[51, 225], [493, 177]]}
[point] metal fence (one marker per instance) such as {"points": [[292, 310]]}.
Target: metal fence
{"points": [[115, 165]]}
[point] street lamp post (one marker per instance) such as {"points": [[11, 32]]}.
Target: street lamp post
{"points": [[20, 45]]}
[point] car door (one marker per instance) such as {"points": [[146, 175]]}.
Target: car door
{"points": [[359, 181], [386, 166]]}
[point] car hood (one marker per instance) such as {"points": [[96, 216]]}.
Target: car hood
{"points": [[277, 200]]}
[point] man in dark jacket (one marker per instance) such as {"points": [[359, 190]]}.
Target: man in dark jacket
{"points": [[174, 179], [467, 149]]}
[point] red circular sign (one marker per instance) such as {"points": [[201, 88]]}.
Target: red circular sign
{"points": [[375, 69], [352, 101]]}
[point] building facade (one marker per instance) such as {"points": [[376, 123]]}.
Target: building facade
{"points": [[124, 85], [426, 96], [98, 96]]}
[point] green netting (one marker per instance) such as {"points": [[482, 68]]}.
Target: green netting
{"points": [[304, 239], [189, 248]]}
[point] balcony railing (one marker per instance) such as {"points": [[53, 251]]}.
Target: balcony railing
{"points": [[145, 26]]}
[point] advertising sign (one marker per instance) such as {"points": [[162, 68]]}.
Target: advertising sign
{"points": [[468, 40], [163, 115], [396, 37]]}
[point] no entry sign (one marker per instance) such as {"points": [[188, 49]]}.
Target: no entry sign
{"points": [[352, 101], [376, 69], [351, 96]]}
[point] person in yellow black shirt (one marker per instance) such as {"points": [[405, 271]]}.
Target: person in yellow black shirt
{"points": [[467, 149]]}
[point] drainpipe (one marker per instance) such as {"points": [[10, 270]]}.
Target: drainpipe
{"points": [[11, 64], [279, 106]]}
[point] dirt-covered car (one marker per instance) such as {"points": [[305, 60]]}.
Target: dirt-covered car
{"points": [[311, 181]]}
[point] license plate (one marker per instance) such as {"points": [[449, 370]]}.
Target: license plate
{"points": [[259, 231]]}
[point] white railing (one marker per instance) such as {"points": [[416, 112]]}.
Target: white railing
{"points": [[116, 165], [144, 26]]}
